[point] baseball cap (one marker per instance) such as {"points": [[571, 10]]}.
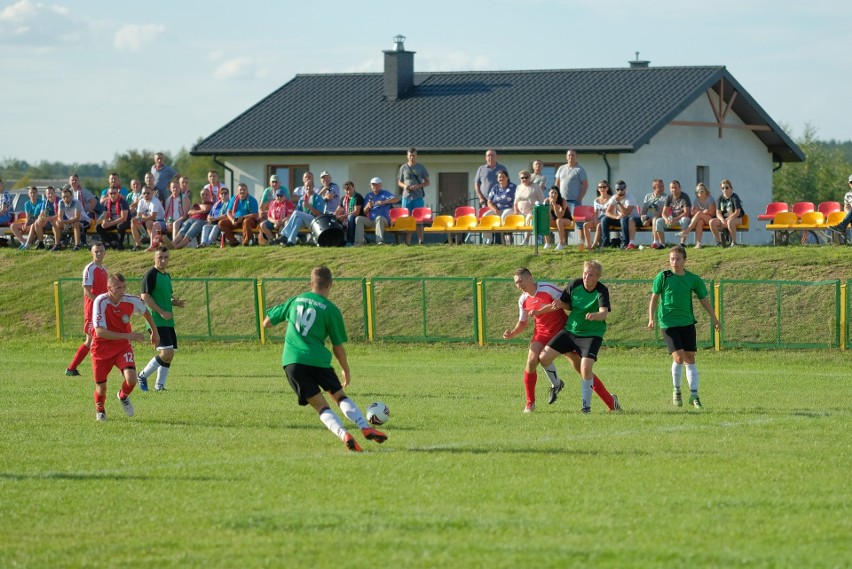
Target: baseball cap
{"points": [[281, 193], [620, 185], [850, 179], [324, 173], [273, 178], [376, 181]]}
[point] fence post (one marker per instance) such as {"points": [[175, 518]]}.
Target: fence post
{"points": [[260, 306], [843, 315], [480, 313], [56, 305], [368, 296], [717, 308]]}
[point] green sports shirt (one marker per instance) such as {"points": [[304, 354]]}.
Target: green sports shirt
{"points": [[311, 319], [675, 308], [158, 286], [581, 302]]}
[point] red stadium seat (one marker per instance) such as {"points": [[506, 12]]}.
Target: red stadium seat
{"points": [[464, 210], [772, 209], [584, 213], [802, 207], [827, 208], [398, 212], [422, 214]]}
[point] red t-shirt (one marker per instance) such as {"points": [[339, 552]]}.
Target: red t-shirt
{"points": [[95, 277], [115, 318], [546, 325]]}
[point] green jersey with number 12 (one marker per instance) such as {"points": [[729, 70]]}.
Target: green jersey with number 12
{"points": [[311, 319]]}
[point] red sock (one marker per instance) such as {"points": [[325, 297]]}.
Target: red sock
{"points": [[126, 388], [600, 389], [529, 385], [81, 354], [99, 402]]}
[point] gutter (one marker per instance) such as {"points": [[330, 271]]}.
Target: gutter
{"points": [[225, 169]]}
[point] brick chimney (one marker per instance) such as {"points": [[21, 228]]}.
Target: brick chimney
{"points": [[399, 70]]}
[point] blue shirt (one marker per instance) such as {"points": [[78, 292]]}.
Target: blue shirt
{"points": [[381, 210], [242, 208], [503, 198], [33, 210]]}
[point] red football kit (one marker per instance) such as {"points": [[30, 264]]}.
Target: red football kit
{"points": [[95, 277], [546, 325], [107, 354]]}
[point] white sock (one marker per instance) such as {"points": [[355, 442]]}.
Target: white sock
{"points": [[692, 378], [552, 375], [353, 413], [150, 368], [586, 390], [677, 370], [333, 424], [162, 374]]}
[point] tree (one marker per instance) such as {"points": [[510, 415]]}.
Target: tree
{"points": [[132, 165], [821, 177]]}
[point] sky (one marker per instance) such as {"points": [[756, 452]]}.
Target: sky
{"points": [[84, 80]]}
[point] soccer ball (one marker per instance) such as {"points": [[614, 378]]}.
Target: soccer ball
{"points": [[377, 413]]}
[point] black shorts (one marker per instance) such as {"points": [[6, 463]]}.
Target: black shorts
{"points": [[307, 381], [680, 338], [168, 338], [584, 346]]}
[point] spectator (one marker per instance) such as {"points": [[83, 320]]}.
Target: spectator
{"points": [[596, 223], [572, 180], [150, 215], [7, 211], [197, 217], [348, 210], [49, 214], [330, 193], [847, 207], [703, 211], [729, 212], [114, 224], [413, 178], [242, 213], [71, 215], [114, 182], [149, 181], [652, 211], [278, 212], [376, 212], [32, 209], [621, 210], [307, 184], [177, 209], [501, 201], [213, 183], [309, 206], [184, 187], [527, 196], [163, 174], [560, 213], [134, 196], [218, 212], [678, 209], [538, 179], [486, 176], [91, 206], [269, 195]]}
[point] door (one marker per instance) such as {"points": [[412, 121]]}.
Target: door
{"points": [[453, 191]]}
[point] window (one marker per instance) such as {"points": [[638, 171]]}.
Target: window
{"points": [[290, 175], [702, 175]]}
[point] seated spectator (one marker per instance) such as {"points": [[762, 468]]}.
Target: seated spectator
{"points": [[596, 223], [32, 209], [269, 195], [7, 211], [134, 196], [527, 196], [183, 182], [71, 216], [308, 207], [330, 193], [219, 211], [703, 211], [91, 206], [375, 213], [652, 211], [114, 182], [197, 217], [49, 213], [500, 201], [678, 210], [621, 210], [177, 208], [729, 213], [349, 209], [847, 207], [242, 213], [277, 214], [150, 215], [155, 193], [115, 222], [560, 213]]}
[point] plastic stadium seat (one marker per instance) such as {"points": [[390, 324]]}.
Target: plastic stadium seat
{"points": [[465, 222], [514, 221], [584, 213], [827, 208], [772, 209], [464, 210], [811, 220], [398, 212], [800, 208], [441, 223], [482, 211], [835, 217], [783, 220], [422, 214], [488, 223]]}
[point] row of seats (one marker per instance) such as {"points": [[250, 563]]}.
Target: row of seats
{"points": [[799, 208]]}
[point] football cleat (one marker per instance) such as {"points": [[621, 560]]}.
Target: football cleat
{"points": [[126, 404], [695, 402], [143, 382], [72, 372], [677, 400], [586, 410], [159, 387], [351, 443], [100, 416], [616, 406], [554, 392], [373, 435], [529, 408]]}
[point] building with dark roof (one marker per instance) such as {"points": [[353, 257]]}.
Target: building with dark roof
{"points": [[634, 123]]}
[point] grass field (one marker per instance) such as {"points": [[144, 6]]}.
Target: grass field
{"points": [[225, 470]]}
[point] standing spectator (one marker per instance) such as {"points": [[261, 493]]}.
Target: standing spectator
{"points": [[349, 209], [71, 215], [729, 212], [149, 181], [330, 194], [242, 213], [375, 213], [677, 320], [572, 180], [309, 206], [150, 215], [413, 179], [278, 212], [501, 202], [163, 174], [678, 209], [269, 195], [621, 210], [312, 318], [158, 296], [847, 207], [560, 213], [134, 196], [596, 223], [197, 216], [486, 176], [652, 211], [587, 300], [177, 209], [111, 345], [114, 224], [32, 209], [87, 199], [213, 183], [527, 196], [7, 211], [538, 179], [703, 211], [307, 184], [94, 284], [219, 211], [185, 190]]}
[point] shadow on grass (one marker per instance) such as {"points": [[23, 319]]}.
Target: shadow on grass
{"points": [[524, 451], [103, 476]]}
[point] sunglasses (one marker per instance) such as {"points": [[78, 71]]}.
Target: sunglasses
{"points": [[726, 187], [603, 187], [525, 177], [620, 189]]}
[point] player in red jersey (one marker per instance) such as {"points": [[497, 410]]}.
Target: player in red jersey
{"points": [[111, 314], [94, 284]]}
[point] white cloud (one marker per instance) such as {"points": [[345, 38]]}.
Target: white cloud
{"points": [[133, 37], [240, 68], [19, 11]]}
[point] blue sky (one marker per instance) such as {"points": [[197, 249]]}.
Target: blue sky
{"points": [[83, 80]]}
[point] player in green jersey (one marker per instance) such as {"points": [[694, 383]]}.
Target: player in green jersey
{"points": [[157, 295]]}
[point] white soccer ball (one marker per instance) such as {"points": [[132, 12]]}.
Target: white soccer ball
{"points": [[377, 413]]}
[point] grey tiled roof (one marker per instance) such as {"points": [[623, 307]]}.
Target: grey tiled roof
{"points": [[612, 110]]}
